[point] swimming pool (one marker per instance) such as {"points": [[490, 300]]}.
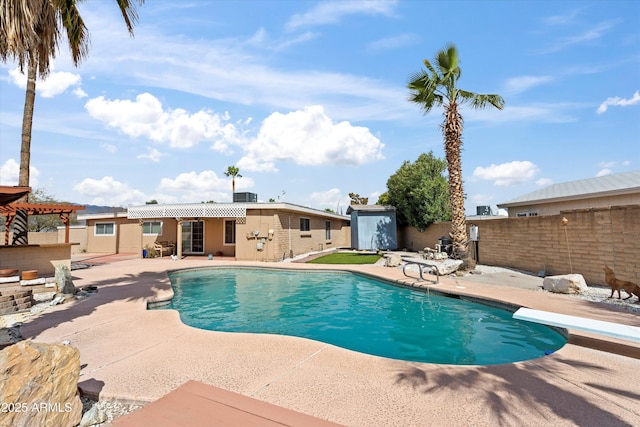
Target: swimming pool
{"points": [[358, 313]]}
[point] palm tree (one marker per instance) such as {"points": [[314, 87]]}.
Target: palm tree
{"points": [[434, 87], [233, 172], [30, 31]]}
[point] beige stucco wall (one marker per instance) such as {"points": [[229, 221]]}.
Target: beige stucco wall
{"points": [[556, 207], [128, 235], [77, 235], [35, 257]]}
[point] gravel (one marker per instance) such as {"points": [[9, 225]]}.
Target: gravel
{"points": [[597, 294], [107, 410]]}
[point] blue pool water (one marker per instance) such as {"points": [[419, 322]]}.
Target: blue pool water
{"points": [[358, 313]]}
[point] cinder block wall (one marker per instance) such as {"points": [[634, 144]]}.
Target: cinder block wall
{"points": [[592, 238]]}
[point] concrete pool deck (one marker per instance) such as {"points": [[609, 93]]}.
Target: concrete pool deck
{"points": [[132, 354]]}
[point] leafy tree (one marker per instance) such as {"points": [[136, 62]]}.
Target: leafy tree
{"points": [[151, 202], [30, 32], [234, 173], [383, 199], [437, 86], [357, 200], [272, 200], [47, 222], [329, 210], [419, 192]]}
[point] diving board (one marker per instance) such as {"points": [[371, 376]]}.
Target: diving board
{"points": [[616, 330]]}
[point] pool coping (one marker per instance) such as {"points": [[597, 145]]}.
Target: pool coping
{"points": [[157, 353]]}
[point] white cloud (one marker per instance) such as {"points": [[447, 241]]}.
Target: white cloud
{"points": [[108, 191], [507, 174], [55, 83], [145, 117], [520, 84], [310, 137], [609, 164], [594, 33], [538, 113], [10, 173], [567, 18], [332, 199], [604, 172], [619, 102], [395, 42], [152, 154], [80, 93], [203, 186], [109, 147], [543, 182], [331, 12]]}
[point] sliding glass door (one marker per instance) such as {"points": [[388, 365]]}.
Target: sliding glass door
{"points": [[193, 237]]}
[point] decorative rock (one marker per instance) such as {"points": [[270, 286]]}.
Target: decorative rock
{"points": [[565, 284], [93, 416], [447, 266], [393, 260], [64, 281], [61, 299], [42, 381]]}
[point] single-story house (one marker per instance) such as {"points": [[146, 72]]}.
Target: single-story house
{"points": [[244, 231], [373, 227], [610, 190]]}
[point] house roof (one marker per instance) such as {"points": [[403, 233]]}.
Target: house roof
{"points": [[608, 185], [370, 208], [207, 210]]}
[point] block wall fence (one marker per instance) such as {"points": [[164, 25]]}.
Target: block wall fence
{"points": [[591, 239]]}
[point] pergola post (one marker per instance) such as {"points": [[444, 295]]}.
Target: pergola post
{"points": [[179, 239]]}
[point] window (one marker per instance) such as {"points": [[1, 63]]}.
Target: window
{"points": [[105, 229], [229, 232], [327, 230], [305, 224], [152, 227]]}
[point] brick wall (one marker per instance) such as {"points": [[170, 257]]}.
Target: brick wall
{"points": [[595, 237]]}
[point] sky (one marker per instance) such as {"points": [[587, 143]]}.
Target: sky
{"points": [[309, 100]]}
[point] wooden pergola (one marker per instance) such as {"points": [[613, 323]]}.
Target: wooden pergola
{"points": [[9, 194], [9, 209]]}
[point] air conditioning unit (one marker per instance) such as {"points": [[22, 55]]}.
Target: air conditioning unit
{"points": [[483, 210], [245, 197]]}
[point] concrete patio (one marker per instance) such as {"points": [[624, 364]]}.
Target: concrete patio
{"points": [[137, 355]]}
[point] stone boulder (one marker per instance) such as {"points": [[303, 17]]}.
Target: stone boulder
{"points": [[447, 266], [392, 260], [64, 281], [39, 382], [565, 284]]}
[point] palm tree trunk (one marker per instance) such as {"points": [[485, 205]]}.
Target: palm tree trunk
{"points": [[21, 221], [452, 130]]}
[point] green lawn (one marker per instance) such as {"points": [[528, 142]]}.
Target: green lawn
{"points": [[347, 258]]}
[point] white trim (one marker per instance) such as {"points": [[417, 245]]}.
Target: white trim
{"points": [[190, 210]]}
